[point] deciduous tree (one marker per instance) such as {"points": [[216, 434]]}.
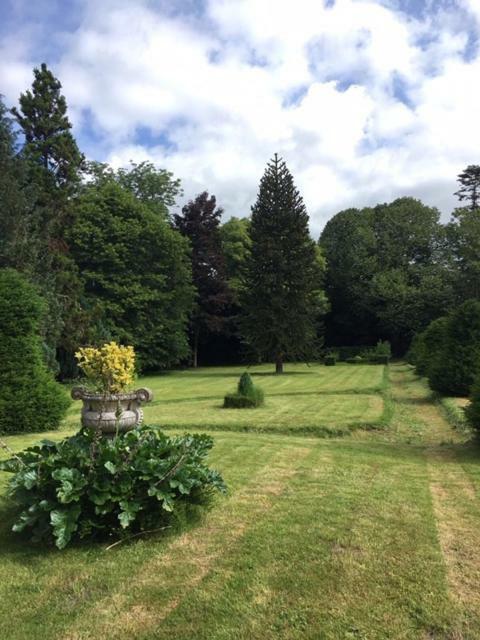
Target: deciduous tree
{"points": [[200, 223]]}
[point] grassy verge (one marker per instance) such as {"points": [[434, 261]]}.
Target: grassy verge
{"points": [[453, 410]]}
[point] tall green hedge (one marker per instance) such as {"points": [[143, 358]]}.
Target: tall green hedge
{"points": [[473, 409], [453, 369], [448, 351], [30, 399]]}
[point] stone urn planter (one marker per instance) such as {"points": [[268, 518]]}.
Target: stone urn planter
{"points": [[112, 413]]}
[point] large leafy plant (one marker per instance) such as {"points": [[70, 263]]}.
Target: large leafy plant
{"points": [[86, 486]]}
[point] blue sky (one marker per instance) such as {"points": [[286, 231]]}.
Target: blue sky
{"points": [[367, 100]]}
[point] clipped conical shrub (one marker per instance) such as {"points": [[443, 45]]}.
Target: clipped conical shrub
{"points": [[248, 395], [30, 398]]}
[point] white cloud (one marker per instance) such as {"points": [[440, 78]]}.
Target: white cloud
{"points": [[365, 103]]}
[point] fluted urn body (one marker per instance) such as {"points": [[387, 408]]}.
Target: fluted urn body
{"points": [[112, 413]]}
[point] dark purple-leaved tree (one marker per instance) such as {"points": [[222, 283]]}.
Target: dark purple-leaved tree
{"points": [[200, 223]]}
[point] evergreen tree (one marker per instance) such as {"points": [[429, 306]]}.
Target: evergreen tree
{"points": [[469, 190], [45, 124], [282, 297], [30, 399], [464, 248], [199, 222], [18, 223], [54, 164]]}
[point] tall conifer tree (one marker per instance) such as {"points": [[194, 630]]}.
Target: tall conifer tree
{"points": [[469, 190], [54, 164], [282, 297]]}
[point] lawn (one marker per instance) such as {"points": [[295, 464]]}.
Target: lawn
{"points": [[373, 536], [307, 399]]}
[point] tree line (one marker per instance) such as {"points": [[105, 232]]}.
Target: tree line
{"points": [[393, 268], [111, 262]]}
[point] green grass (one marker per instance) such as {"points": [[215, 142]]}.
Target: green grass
{"points": [[375, 536], [314, 399]]}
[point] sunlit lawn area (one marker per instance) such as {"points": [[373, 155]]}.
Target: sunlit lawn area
{"points": [[310, 399], [360, 537]]}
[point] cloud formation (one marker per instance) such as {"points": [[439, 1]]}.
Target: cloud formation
{"points": [[366, 100]]}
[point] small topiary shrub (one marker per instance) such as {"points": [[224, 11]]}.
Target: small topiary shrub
{"points": [[248, 395], [30, 399], [87, 486], [330, 360]]}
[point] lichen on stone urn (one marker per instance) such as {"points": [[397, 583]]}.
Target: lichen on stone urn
{"points": [[112, 413]]}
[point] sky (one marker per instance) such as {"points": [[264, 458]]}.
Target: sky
{"points": [[366, 100]]}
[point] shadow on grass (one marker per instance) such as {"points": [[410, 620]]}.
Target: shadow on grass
{"points": [[273, 394], [19, 548]]}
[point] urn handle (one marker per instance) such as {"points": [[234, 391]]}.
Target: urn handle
{"points": [[77, 393], [144, 394]]}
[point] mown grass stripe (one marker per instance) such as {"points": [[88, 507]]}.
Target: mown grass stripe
{"points": [[177, 570]]}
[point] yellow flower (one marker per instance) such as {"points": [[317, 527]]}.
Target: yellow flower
{"points": [[111, 368]]}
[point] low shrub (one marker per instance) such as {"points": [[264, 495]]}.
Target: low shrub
{"points": [[356, 360], [380, 354], [330, 360], [30, 398], [343, 353], [88, 486], [247, 396], [237, 401]]}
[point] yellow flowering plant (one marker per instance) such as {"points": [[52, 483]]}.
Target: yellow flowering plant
{"points": [[110, 368]]}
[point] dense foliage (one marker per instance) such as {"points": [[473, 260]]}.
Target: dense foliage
{"points": [[448, 351], [53, 164], [110, 262], [87, 486], [282, 298], [200, 223], [136, 273], [248, 395], [30, 399], [427, 350], [472, 410], [387, 275], [453, 370]]}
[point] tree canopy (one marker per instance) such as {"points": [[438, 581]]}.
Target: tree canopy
{"points": [[200, 223]]}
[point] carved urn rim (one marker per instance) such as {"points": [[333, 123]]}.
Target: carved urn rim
{"points": [[144, 394]]}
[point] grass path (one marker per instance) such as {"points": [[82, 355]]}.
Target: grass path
{"points": [[372, 537], [454, 495]]}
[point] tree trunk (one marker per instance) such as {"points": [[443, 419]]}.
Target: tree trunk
{"points": [[279, 364], [195, 348]]}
